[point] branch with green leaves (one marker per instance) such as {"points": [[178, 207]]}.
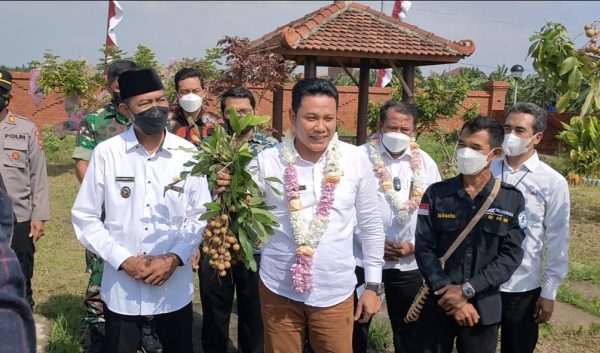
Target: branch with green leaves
{"points": [[239, 218]]}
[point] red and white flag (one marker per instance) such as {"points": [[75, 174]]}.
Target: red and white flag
{"points": [[400, 9], [115, 15]]}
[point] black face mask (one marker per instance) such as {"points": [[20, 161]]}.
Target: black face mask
{"points": [[230, 129], [152, 121], [4, 102], [116, 99]]}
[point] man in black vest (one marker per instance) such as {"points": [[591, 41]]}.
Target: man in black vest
{"points": [[465, 302]]}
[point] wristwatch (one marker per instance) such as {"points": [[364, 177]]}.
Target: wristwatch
{"points": [[468, 290], [375, 287]]}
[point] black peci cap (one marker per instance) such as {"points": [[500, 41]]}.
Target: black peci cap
{"points": [[135, 82]]}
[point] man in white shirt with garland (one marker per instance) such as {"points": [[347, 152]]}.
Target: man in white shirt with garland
{"points": [[403, 171], [307, 268], [528, 297], [152, 225]]}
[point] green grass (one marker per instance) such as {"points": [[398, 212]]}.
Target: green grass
{"points": [[587, 273], [569, 340], [567, 294], [60, 280], [380, 338]]}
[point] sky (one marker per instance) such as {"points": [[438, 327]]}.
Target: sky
{"points": [[177, 29]]}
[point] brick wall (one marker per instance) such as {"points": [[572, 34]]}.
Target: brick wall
{"points": [[51, 110], [348, 105]]}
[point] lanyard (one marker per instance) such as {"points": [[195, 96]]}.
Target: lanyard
{"points": [[518, 182]]}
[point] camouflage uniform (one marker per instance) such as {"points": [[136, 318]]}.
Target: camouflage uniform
{"points": [[95, 128]]}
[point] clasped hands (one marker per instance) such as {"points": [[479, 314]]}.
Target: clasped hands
{"points": [[457, 306], [393, 251], [154, 270]]}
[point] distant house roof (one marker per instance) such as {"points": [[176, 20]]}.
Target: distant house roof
{"points": [[453, 72], [351, 30], [50, 111]]}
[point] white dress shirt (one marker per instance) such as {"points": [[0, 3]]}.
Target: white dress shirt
{"points": [[546, 245], [142, 216], [394, 231], [334, 263]]}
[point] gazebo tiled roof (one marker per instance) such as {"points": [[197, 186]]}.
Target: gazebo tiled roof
{"points": [[347, 31]]}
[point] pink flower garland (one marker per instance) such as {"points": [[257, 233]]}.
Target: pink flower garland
{"points": [[302, 270]]}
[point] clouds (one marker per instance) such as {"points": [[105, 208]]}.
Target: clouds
{"points": [[176, 29]]}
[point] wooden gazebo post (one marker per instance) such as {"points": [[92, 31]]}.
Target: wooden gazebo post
{"points": [[310, 66], [363, 101], [408, 73], [278, 112]]}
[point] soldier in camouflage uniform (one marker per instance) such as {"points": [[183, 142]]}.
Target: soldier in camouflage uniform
{"points": [[94, 129], [217, 293]]}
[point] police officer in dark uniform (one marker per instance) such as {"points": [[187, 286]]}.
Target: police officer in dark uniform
{"points": [[23, 168], [466, 304]]}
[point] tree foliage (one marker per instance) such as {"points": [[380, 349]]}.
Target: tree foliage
{"points": [[246, 67], [576, 77], [72, 77], [208, 66]]}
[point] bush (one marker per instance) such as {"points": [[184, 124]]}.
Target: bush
{"points": [[58, 151], [560, 163]]}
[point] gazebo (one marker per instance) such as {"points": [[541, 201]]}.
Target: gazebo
{"points": [[350, 35]]}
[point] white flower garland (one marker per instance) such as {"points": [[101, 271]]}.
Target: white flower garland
{"points": [[402, 209]]}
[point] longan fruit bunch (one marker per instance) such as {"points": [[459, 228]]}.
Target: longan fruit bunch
{"points": [[591, 47], [220, 244]]}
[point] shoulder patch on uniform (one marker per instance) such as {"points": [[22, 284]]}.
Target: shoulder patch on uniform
{"points": [[522, 220], [11, 119], [423, 209]]}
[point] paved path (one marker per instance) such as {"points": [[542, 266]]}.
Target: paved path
{"points": [[42, 331]]}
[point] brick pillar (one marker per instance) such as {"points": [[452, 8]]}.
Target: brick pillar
{"points": [[497, 91]]}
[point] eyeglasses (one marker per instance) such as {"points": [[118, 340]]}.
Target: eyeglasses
{"points": [[240, 112]]}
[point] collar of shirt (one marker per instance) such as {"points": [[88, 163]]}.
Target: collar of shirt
{"points": [[131, 141], [458, 185], [304, 161], [531, 163]]}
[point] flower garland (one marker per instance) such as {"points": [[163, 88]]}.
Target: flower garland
{"points": [[307, 238], [402, 209]]}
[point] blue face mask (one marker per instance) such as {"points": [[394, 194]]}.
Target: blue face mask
{"points": [[152, 121]]}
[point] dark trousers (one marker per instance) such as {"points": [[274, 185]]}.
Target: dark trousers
{"points": [[174, 331], [436, 333], [400, 289], [24, 248], [519, 331], [216, 294]]}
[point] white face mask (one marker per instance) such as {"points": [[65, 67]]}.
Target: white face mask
{"points": [[190, 102], [470, 162], [514, 145], [395, 142]]}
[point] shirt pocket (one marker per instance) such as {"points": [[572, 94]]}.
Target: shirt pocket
{"points": [[444, 225], [497, 226], [15, 154]]}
